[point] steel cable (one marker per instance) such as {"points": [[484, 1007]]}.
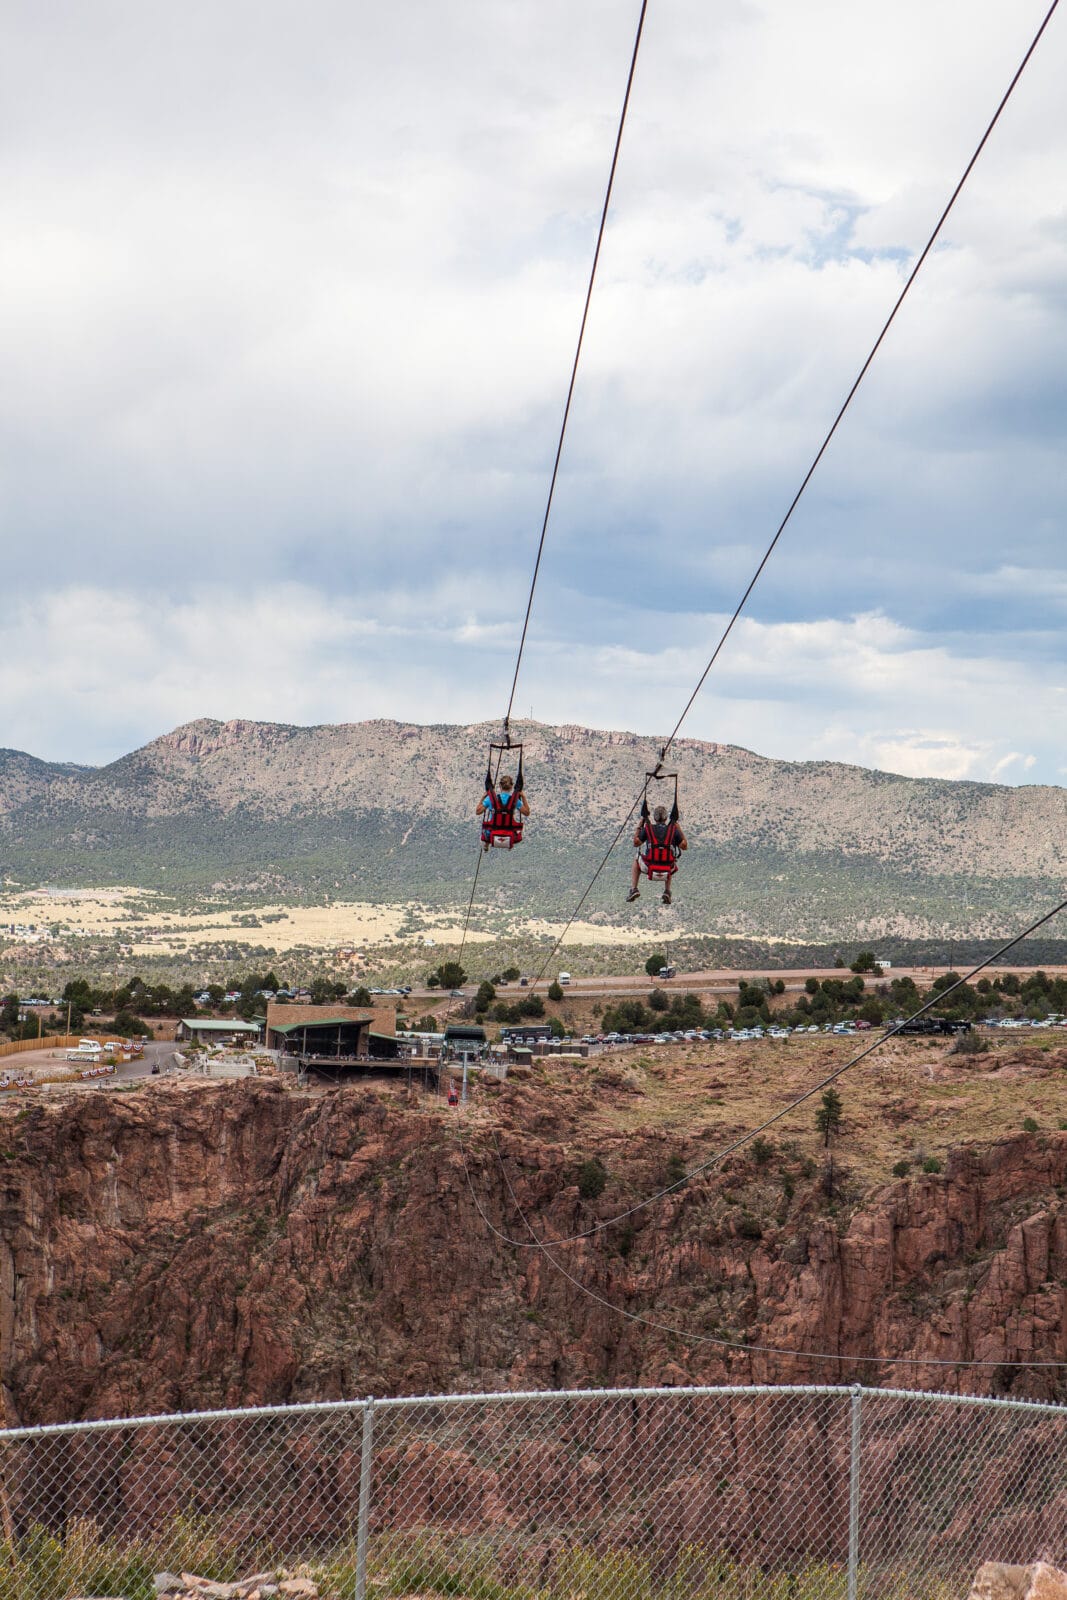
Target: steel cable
{"points": [[809, 474], [563, 426], [823, 1083], [738, 1344], [577, 357]]}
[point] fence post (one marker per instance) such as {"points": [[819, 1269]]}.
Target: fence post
{"points": [[6, 1519], [366, 1460], [854, 1493]]}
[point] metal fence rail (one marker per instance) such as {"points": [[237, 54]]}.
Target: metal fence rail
{"points": [[795, 1493]]}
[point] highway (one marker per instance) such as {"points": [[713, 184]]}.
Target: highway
{"points": [[721, 982]]}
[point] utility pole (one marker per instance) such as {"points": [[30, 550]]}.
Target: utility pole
{"points": [[463, 1092]]}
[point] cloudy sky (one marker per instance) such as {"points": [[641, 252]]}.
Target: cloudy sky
{"points": [[288, 298]]}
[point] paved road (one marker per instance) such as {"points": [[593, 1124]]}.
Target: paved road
{"points": [[722, 980], [155, 1054]]}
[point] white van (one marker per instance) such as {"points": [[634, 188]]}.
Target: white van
{"points": [[564, 977]]}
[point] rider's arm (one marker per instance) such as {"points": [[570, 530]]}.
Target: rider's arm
{"points": [[683, 842], [523, 808]]}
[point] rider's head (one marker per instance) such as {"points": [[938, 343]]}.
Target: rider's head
{"points": [[507, 782], [660, 814]]}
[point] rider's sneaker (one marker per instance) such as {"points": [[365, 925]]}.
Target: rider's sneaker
{"points": [[666, 897], [634, 894]]}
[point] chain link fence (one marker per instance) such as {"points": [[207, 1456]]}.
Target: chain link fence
{"points": [[685, 1494]]}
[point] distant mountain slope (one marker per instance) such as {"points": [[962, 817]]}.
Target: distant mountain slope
{"points": [[384, 810]]}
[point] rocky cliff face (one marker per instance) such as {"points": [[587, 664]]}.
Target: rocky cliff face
{"points": [[238, 1243]]}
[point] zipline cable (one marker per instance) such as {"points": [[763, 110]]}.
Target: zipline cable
{"points": [[743, 1345], [816, 1088], [814, 464], [831, 1077], [563, 426], [577, 357], [862, 372]]}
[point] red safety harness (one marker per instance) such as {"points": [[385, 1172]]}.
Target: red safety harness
{"points": [[659, 847], [659, 853], [503, 824], [503, 820]]}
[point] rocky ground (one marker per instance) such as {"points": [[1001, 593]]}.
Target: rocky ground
{"points": [[181, 1246]]}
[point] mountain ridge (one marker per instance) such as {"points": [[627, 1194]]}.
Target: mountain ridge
{"points": [[382, 809]]}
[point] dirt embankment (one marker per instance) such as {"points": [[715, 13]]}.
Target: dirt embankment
{"points": [[238, 1243]]}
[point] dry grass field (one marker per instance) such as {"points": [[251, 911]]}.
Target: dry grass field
{"points": [[146, 921], [912, 1099]]}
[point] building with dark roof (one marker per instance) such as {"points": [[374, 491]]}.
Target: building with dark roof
{"points": [[341, 1033], [212, 1030]]}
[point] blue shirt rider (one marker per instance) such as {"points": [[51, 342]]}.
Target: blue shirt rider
{"points": [[504, 791]]}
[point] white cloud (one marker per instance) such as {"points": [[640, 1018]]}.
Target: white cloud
{"points": [[88, 674], [287, 307]]}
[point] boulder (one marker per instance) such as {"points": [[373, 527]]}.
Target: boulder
{"points": [[994, 1580]]}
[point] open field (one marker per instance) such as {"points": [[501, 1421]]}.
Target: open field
{"points": [[148, 923], [113, 933], [912, 1099]]}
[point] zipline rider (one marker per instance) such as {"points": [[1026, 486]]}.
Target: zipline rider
{"points": [[502, 811], [657, 844]]}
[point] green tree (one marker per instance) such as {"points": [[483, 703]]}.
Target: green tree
{"points": [[80, 992], [555, 991], [811, 985], [763, 1151], [9, 1014], [450, 975], [655, 961], [323, 990], [509, 974], [658, 1001], [865, 962], [871, 1011], [592, 1179], [361, 997], [485, 996], [828, 1116], [129, 1025], [184, 1001]]}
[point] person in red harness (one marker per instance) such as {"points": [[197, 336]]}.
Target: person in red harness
{"points": [[657, 842], [502, 811]]}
